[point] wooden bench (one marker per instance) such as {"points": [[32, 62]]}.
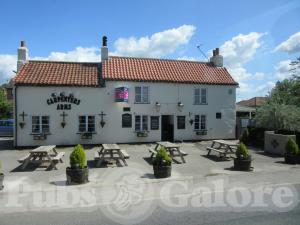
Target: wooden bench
{"points": [[183, 152], [125, 154], [58, 157], [152, 151], [96, 155], [21, 160], [221, 152]]}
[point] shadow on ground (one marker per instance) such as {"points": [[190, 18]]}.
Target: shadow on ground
{"points": [[216, 158]]}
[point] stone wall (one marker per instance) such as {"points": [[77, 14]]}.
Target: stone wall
{"points": [[275, 143]]}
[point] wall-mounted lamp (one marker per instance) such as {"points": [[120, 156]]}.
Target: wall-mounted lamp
{"points": [[157, 106], [102, 122], [22, 123], [63, 123], [191, 121], [180, 106]]}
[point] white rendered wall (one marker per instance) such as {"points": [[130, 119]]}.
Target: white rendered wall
{"points": [[32, 100]]}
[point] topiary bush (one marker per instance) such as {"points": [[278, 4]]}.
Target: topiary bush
{"points": [[162, 158], [291, 147], [245, 136], [78, 157], [242, 151]]}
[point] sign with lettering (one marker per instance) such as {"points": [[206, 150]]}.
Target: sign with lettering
{"points": [[121, 94], [63, 102]]}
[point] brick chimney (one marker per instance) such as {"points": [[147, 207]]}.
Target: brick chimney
{"points": [[22, 55], [104, 49], [217, 59]]}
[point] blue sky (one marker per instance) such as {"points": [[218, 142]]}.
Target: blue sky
{"points": [[257, 38]]}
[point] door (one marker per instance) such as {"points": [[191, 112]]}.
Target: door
{"points": [[167, 128]]}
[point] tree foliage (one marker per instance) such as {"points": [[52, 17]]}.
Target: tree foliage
{"points": [[5, 106], [282, 111]]}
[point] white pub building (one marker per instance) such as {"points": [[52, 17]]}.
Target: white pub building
{"points": [[122, 100]]}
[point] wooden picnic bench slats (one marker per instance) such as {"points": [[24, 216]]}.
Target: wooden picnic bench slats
{"points": [[21, 160], [125, 154], [58, 157]]}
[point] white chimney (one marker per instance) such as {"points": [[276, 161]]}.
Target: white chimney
{"points": [[104, 49], [22, 55], [216, 59]]}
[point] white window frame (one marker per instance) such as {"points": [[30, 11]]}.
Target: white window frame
{"points": [[144, 97], [198, 96], [202, 123], [142, 126], [40, 124], [86, 128]]}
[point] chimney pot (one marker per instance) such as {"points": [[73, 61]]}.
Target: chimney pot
{"points": [[104, 41], [214, 52], [22, 43], [217, 51]]}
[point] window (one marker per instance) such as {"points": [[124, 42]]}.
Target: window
{"points": [[200, 122], [126, 109], [141, 123], [180, 122], [154, 122], [203, 122], [142, 94], [126, 120], [40, 124], [200, 96], [218, 115], [86, 124]]}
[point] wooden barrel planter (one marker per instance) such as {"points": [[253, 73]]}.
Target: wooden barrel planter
{"points": [[162, 171], [242, 164], [292, 159], [76, 175]]}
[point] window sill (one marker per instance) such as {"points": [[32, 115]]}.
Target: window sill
{"points": [[142, 103], [201, 104], [40, 134], [86, 133]]}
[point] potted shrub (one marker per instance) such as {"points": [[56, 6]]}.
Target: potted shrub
{"points": [[243, 158], [78, 172], [162, 164], [244, 138], [291, 155], [1, 178]]}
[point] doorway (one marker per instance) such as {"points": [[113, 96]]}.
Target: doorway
{"points": [[167, 128]]}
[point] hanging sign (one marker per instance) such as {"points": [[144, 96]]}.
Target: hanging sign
{"points": [[121, 94], [63, 102]]}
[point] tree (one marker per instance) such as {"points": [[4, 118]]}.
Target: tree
{"points": [[5, 106], [282, 111]]}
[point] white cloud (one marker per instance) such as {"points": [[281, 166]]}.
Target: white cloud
{"points": [[188, 58], [264, 88], [80, 54], [157, 45], [291, 45], [282, 70], [236, 53], [8, 63]]}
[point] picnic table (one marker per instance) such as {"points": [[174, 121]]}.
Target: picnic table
{"points": [[41, 155], [172, 148], [223, 147], [110, 152]]}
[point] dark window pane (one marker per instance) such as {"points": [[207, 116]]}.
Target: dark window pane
{"points": [[218, 115], [180, 122], [154, 122], [145, 123], [126, 120], [137, 123]]}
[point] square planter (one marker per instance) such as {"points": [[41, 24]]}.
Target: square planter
{"points": [[201, 132], [142, 134]]}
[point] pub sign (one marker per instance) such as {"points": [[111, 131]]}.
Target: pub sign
{"points": [[121, 94]]}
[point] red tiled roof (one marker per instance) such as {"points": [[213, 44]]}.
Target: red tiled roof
{"points": [[253, 102], [121, 68], [58, 73], [143, 69]]}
